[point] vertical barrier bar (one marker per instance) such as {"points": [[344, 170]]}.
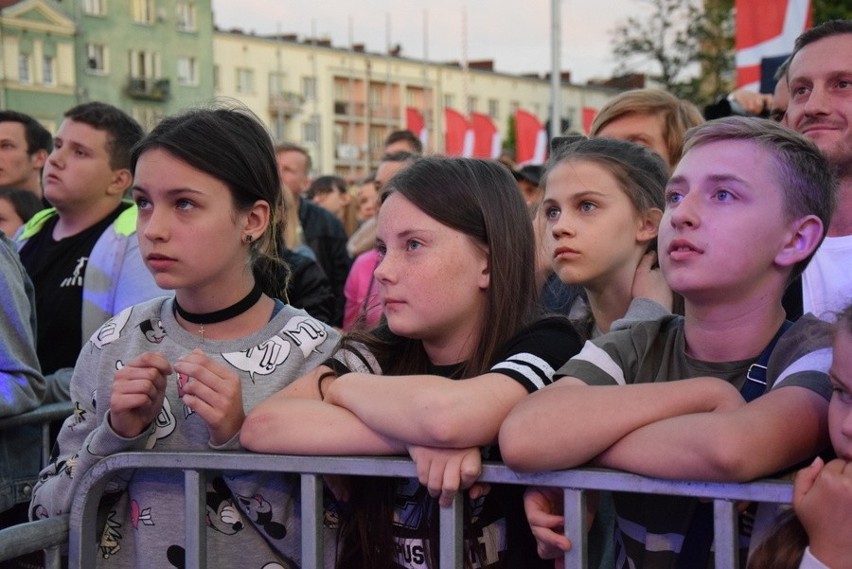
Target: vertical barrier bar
{"points": [[574, 503], [452, 534], [195, 511], [312, 554], [726, 532], [45, 444]]}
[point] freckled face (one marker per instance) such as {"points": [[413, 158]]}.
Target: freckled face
{"points": [[432, 279]]}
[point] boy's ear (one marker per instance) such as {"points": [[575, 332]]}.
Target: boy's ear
{"points": [[649, 225], [121, 180], [257, 218], [39, 158], [804, 237]]}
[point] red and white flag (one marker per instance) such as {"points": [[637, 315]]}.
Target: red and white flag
{"points": [[764, 30], [458, 137], [589, 115], [486, 137], [415, 123], [530, 139]]}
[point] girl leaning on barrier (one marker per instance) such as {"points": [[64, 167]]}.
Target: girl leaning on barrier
{"points": [[179, 373], [460, 345], [818, 536]]}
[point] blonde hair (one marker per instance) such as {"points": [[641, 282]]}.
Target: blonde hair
{"points": [[678, 115]]}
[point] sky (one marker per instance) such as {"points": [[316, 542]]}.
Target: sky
{"points": [[516, 34]]}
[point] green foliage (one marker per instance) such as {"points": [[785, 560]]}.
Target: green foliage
{"points": [[682, 39], [509, 141], [664, 38], [825, 10]]}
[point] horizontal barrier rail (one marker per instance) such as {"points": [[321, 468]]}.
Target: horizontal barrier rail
{"points": [[82, 535], [44, 416]]}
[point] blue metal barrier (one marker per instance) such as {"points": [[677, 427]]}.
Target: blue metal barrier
{"points": [[82, 530]]}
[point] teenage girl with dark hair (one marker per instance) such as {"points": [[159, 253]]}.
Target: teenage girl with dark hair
{"points": [[180, 373]]}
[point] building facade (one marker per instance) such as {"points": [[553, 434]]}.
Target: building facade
{"points": [[341, 103], [37, 61], [148, 57], [157, 57]]}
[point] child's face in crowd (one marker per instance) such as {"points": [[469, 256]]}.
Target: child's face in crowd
{"points": [[334, 201], [724, 223], [78, 171], [10, 221], [432, 279], [367, 201], [190, 235], [594, 234], [840, 407], [645, 129]]}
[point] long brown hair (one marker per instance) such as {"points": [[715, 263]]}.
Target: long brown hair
{"points": [[480, 199]]}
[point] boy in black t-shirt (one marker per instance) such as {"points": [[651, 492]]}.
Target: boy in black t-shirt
{"points": [[82, 254]]}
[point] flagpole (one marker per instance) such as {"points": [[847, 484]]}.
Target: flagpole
{"points": [[556, 71]]}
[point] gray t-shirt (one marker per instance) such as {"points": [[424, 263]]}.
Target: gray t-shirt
{"points": [[651, 528]]}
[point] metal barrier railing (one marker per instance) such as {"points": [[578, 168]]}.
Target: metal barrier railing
{"points": [[82, 534], [46, 534], [44, 416]]}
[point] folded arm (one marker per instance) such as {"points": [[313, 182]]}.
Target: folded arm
{"points": [[296, 420], [739, 443], [430, 410], [569, 422]]}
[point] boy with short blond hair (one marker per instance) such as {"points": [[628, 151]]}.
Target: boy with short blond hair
{"points": [[746, 208]]}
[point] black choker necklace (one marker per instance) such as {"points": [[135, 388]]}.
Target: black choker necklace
{"points": [[221, 315]]}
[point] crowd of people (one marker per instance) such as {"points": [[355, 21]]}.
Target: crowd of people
{"points": [[668, 296]]}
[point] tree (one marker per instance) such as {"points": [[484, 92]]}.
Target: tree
{"points": [[825, 10], [681, 37], [663, 39], [509, 140]]}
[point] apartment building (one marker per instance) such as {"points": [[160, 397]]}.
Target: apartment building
{"points": [[341, 103]]}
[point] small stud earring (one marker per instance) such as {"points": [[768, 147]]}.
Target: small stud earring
{"points": [[248, 238]]}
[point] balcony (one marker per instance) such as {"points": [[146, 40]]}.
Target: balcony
{"points": [[286, 103], [148, 89], [349, 108]]}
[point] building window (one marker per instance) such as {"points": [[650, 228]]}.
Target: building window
{"points": [[309, 88], [216, 85], [310, 132], [144, 11], [187, 71], [276, 83], [514, 106], [245, 80], [24, 75], [411, 99], [471, 104], [96, 58], [377, 137], [186, 17], [144, 64], [94, 7], [449, 101], [47, 75], [493, 108]]}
